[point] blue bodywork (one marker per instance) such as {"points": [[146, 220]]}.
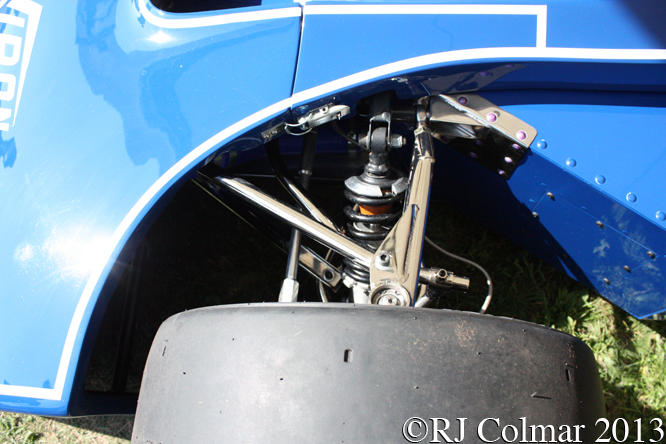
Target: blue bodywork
{"points": [[120, 102]]}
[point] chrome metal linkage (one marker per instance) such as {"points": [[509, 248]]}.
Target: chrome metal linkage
{"points": [[481, 130], [330, 238], [381, 247], [316, 230], [374, 194], [396, 266], [318, 267]]}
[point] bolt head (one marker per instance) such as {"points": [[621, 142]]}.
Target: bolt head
{"points": [[651, 254], [550, 195], [384, 259], [627, 268]]}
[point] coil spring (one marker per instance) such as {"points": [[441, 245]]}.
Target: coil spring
{"points": [[371, 228]]}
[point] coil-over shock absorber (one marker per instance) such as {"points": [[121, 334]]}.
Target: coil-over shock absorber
{"points": [[374, 196]]}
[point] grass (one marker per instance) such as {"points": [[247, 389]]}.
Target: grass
{"points": [[202, 259]]}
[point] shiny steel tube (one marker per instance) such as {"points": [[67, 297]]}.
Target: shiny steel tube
{"points": [[294, 188], [316, 230]]}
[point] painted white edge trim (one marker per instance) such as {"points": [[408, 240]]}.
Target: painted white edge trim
{"points": [[212, 20], [540, 11], [204, 149], [384, 9]]}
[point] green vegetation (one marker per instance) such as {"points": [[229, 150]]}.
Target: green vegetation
{"points": [[631, 354]]}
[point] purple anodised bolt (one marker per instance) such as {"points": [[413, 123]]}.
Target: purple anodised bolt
{"points": [[478, 142], [521, 135], [508, 160], [485, 73], [473, 155], [515, 146], [501, 173], [492, 117], [462, 100]]}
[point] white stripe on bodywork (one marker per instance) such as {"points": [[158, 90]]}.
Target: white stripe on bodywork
{"points": [[206, 148]]}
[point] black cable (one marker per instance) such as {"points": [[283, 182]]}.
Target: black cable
{"points": [[349, 139]]}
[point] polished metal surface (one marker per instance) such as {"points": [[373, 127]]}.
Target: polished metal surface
{"points": [[319, 267], [395, 269], [308, 226], [322, 115], [473, 112], [443, 280], [289, 290], [479, 129]]}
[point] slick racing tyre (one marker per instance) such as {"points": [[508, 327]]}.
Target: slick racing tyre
{"points": [[339, 373]]}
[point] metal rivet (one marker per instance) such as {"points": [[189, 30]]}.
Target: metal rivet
{"points": [[550, 195], [571, 162], [600, 224], [627, 268], [600, 179], [651, 254], [542, 144], [501, 173], [631, 197], [485, 73], [521, 135], [606, 281], [508, 160], [535, 214], [473, 155], [661, 216], [462, 100], [492, 117], [515, 146]]}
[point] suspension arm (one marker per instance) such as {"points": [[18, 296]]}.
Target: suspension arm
{"points": [[319, 232], [395, 269]]}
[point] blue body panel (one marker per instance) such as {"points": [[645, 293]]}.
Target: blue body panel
{"points": [[111, 103], [121, 101]]}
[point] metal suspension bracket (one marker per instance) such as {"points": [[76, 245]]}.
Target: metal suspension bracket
{"points": [[308, 122], [390, 264], [396, 265], [481, 130]]}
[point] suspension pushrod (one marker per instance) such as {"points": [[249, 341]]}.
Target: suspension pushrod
{"points": [[321, 233]]}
